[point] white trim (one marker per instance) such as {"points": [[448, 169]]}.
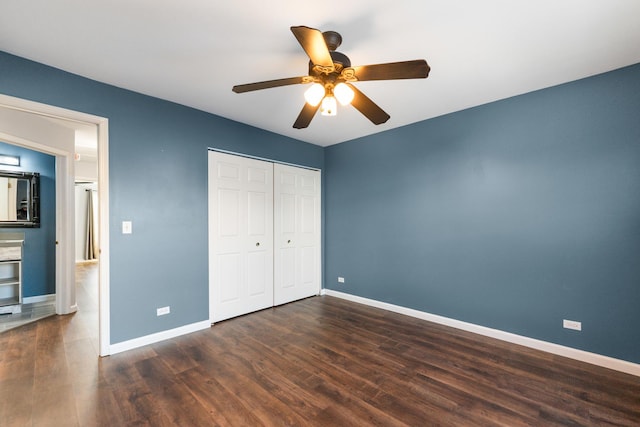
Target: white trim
{"points": [[30, 144], [264, 159], [560, 350], [103, 197], [51, 298], [48, 110], [159, 336], [65, 241], [104, 267]]}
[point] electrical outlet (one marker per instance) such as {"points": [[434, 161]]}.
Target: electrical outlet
{"points": [[572, 324], [340, 279], [163, 310]]}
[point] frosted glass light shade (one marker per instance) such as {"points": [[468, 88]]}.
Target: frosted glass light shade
{"points": [[343, 93], [329, 106], [9, 160], [314, 94]]}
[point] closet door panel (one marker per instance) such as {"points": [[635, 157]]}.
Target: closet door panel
{"points": [[297, 233], [287, 267], [258, 274], [287, 214], [308, 266], [229, 271], [240, 235]]}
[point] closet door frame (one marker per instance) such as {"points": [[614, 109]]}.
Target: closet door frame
{"points": [[211, 205]]}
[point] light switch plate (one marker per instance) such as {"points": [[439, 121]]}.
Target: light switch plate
{"points": [[127, 227]]}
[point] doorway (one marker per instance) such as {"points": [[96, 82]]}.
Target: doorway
{"points": [[21, 132]]}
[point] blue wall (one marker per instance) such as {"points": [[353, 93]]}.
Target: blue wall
{"points": [[39, 256], [158, 180], [512, 215]]}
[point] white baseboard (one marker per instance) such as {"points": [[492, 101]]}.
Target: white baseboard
{"points": [[51, 298], [560, 350], [160, 336]]}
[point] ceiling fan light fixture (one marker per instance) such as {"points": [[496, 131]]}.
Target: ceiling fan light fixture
{"points": [[330, 73], [343, 93], [314, 94], [329, 106]]}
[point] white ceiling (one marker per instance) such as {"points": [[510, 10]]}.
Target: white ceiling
{"points": [[193, 51]]}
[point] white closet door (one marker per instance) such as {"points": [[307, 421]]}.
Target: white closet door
{"points": [[240, 235], [297, 233]]}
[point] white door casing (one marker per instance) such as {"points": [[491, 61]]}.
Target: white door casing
{"points": [[296, 233], [240, 235], [65, 259]]}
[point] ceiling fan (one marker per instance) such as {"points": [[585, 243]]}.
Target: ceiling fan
{"points": [[332, 75]]}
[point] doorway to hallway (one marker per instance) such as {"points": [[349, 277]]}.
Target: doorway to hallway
{"points": [[65, 158]]}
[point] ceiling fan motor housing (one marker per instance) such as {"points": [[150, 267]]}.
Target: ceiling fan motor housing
{"points": [[340, 61], [332, 39]]}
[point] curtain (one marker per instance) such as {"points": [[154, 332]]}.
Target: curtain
{"points": [[91, 244]]}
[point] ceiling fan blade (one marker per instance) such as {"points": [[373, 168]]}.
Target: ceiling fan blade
{"points": [[268, 84], [312, 41], [305, 116], [367, 107], [417, 69]]}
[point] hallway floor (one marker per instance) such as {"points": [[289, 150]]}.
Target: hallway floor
{"points": [[31, 312], [86, 287]]}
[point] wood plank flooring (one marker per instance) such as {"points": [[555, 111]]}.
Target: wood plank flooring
{"points": [[318, 362]]}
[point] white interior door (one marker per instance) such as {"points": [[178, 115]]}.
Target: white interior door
{"points": [[240, 235], [296, 233]]}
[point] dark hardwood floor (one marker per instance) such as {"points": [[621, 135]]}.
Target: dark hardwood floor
{"points": [[321, 361]]}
